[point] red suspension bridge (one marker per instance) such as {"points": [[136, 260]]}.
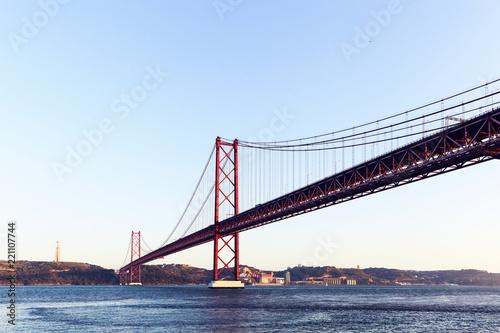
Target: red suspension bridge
{"points": [[246, 185]]}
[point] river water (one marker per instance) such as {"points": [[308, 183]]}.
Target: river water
{"points": [[254, 309]]}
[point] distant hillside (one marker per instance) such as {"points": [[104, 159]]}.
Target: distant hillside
{"points": [[63, 273], [174, 274], [466, 277], [181, 274], [396, 275], [71, 273], [303, 273]]}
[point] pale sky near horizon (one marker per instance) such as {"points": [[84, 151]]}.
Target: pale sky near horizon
{"points": [[202, 69]]}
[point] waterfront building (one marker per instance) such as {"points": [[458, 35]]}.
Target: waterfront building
{"points": [[339, 281], [266, 278]]}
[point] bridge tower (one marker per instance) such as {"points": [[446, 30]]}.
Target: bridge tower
{"points": [[135, 251], [135, 271], [226, 246]]}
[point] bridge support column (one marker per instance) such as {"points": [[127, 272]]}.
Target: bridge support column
{"points": [[123, 278], [135, 251], [226, 201]]}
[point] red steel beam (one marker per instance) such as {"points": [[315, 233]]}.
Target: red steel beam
{"points": [[230, 178]]}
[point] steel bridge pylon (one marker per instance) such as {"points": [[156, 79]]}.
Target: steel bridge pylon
{"points": [[135, 270], [226, 246]]}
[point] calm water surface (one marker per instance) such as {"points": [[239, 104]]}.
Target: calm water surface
{"points": [[255, 309]]}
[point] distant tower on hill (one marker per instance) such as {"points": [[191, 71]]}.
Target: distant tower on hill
{"points": [[287, 278], [58, 252]]}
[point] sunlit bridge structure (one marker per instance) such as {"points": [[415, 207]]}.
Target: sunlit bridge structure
{"points": [[245, 185]]}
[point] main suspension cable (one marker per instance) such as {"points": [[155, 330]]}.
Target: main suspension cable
{"points": [[128, 252], [191, 199], [354, 137], [383, 119]]}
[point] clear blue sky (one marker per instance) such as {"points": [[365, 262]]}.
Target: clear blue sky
{"points": [[221, 68]]}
